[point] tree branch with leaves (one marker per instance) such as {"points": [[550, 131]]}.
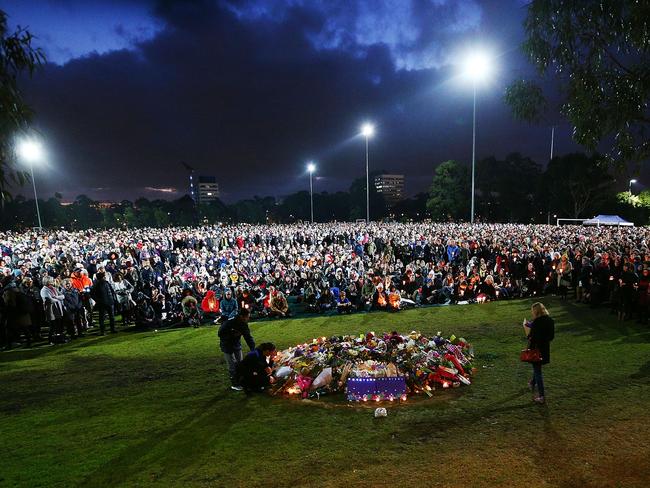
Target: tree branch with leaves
{"points": [[599, 51], [17, 57]]}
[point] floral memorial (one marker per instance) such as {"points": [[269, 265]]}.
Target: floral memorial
{"points": [[372, 367]]}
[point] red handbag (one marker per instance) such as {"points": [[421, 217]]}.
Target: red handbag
{"points": [[530, 356]]}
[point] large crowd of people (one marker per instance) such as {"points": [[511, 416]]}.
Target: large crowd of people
{"points": [[66, 283]]}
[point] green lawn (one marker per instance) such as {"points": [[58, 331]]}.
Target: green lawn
{"points": [[141, 409]]}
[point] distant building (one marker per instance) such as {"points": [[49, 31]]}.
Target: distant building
{"points": [[391, 187], [207, 189]]}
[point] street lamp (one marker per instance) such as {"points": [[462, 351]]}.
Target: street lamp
{"points": [[311, 167], [476, 69], [31, 151], [367, 131], [630, 187]]}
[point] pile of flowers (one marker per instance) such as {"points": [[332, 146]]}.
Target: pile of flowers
{"points": [[418, 363]]}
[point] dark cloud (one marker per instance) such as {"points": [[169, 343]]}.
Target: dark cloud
{"points": [[249, 97]]}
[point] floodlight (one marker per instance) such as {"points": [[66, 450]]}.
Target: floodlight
{"points": [[30, 150], [367, 130]]}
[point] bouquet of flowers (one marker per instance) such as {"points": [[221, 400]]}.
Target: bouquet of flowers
{"points": [[362, 366]]}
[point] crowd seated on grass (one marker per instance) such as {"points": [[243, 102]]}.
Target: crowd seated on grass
{"points": [[193, 276]]}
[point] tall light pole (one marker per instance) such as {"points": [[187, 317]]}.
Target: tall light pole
{"points": [[31, 151], [552, 141], [311, 167], [630, 186], [473, 151], [477, 68], [367, 131]]}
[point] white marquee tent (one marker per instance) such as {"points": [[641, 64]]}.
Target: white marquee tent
{"points": [[608, 220]]}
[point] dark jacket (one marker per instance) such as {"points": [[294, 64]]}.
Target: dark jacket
{"points": [[103, 293], [72, 302], [541, 334], [230, 334], [252, 370]]}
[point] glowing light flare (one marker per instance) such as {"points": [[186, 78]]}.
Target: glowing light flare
{"points": [[367, 130], [477, 66], [311, 167], [30, 150]]}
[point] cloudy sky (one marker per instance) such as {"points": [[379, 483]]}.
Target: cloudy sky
{"points": [[249, 90]]}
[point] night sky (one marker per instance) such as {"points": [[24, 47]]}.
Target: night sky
{"points": [[249, 91]]}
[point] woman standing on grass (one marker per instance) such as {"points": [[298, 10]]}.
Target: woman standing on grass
{"points": [[540, 332]]}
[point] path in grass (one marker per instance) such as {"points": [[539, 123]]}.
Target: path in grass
{"points": [[142, 409]]}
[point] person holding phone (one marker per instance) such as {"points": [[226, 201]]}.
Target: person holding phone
{"points": [[540, 331]]}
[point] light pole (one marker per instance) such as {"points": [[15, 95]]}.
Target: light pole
{"points": [[367, 130], [477, 68], [630, 186], [32, 151], [311, 167]]}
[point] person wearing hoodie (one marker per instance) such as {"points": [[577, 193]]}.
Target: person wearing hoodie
{"points": [[210, 306], [228, 306]]}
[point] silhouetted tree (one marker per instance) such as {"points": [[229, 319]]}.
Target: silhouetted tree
{"points": [[449, 196]]}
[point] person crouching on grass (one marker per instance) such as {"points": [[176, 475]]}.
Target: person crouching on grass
{"points": [[255, 371], [540, 332]]}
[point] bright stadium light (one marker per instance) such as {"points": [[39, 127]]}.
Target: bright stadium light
{"points": [[630, 187], [477, 67], [32, 151], [311, 167], [367, 130]]}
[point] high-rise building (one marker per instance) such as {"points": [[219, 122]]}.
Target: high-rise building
{"points": [[207, 189], [391, 187]]}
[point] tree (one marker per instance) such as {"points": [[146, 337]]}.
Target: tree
{"points": [[253, 211], [17, 56], [507, 188], [635, 208], [184, 211], [358, 198], [214, 211], [412, 208], [599, 53], [85, 211], [295, 206], [576, 184], [449, 196], [332, 206]]}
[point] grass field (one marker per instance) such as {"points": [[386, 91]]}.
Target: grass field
{"points": [[154, 409]]}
